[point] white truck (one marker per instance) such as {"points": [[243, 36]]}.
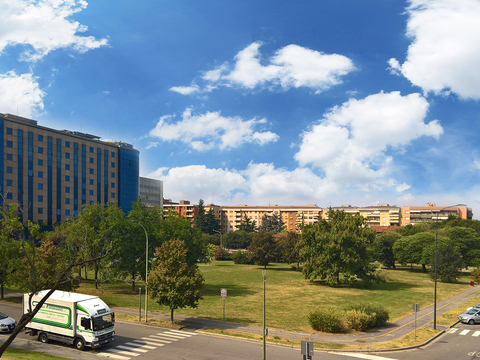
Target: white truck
{"points": [[78, 319]]}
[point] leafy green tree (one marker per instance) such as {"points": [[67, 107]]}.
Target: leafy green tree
{"points": [[383, 248], [272, 222], [449, 263], [200, 216], [237, 239], [337, 249], [211, 224], [467, 241], [415, 249], [288, 248], [173, 282], [247, 224], [263, 248]]}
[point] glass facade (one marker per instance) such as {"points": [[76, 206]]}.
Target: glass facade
{"points": [[2, 139], [30, 175], [20, 171], [128, 170]]}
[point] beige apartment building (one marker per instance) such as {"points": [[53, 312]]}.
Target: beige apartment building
{"points": [[293, 216], [416, 214], [381, 215]]}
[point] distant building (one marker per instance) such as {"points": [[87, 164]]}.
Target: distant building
{"points": [[151, 192], [431, 212], [381, 215], [52, 173], [183, 208]]}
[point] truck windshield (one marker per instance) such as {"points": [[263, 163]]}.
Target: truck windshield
{"points": [[102, 322]]}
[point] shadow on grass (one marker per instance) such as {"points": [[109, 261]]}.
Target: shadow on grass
{"points": [[232, 290], [372, 286]]}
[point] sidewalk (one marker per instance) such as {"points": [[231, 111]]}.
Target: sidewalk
{"points": [[389, 332]]}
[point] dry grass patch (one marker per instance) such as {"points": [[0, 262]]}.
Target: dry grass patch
{"points": [[152, 322], [451, 316]]}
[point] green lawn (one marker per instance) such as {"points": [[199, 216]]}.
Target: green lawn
{"points": [[289, 297]]}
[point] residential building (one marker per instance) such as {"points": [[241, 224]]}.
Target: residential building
{"points": [[381, 215], [53, 173], [184, 208], [431, 212], [151, 192]]}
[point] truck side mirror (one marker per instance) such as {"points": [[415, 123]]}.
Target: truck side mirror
{"points": [[85, 322]]}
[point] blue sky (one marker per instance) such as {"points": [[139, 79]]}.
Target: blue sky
{"points": [[261, 102]]}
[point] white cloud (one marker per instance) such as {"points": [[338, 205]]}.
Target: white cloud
{"points": [[350, 142], [20, 94], [291, 66], [402, 187], [205, 131], [445, 51], [43, 26]]}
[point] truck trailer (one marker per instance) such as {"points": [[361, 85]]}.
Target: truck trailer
{"points": [[71, 318]]}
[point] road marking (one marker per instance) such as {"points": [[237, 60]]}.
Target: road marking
{"points": [[364, 356], [476, 333], [150, 341], [464, 332], [140, 343], [112, 356], [184, 332], [116, 351], [182, 336], [160, 339], [171, 336], [453, 330], [129, 348]]}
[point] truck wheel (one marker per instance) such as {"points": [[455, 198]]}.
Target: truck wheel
{"points": [[79, 344], [43, 338]]}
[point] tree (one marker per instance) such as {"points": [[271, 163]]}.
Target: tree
{"points": [[247, 224], [211, 224], [336, 249], [449, 263], [272, 222], [383, 248], [414, 249], [200, 217], [173, 282], [288, 248], [263, 248], [237, 239]]}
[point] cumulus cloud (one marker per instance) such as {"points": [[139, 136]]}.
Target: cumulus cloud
{"points": [[445, 51], [349, 144], [43, 26], [291, 66], [20, 94], [206, 131]]}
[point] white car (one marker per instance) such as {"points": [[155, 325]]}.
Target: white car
{"points": [[7, 324]]}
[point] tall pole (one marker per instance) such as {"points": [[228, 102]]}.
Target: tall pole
{"points": [[436, 251], [264, 273], [221, 245], [146, 270]]}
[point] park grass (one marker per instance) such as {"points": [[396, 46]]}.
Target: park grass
{"points": [[20, 354]]}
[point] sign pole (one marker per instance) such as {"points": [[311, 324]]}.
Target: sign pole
{"points": [[139, 303], [415, 309], [264, 273], [223, 295]]}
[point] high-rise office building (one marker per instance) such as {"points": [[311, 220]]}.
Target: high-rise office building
{"points": [[53, 173]]}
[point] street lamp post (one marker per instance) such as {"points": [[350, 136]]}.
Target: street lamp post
{"points": [[436, 251], [146, 271], [221, 245]]}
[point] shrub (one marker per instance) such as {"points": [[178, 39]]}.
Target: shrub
{"points": [[379, 315], [359, 320], [476, 274], [241, 257], [326, 320], [221, 254]]}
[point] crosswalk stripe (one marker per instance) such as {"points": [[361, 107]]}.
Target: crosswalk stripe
{"points": [[171, 336], [150, 341], [141, 344], [476, 333], [464, 332], [183, 336], [184, 332], [364, 356], [124, 352], [453, 330], [129, 348], [154, 338], [113, 356]]}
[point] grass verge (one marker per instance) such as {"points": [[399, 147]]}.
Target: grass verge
{"points": [[20, 354]]}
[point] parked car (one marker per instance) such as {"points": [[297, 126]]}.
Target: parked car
{"points": [[6, 323], [474, 307], [471, 316]]}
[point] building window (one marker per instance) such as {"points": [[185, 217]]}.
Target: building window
{"points": [[40, 162], [67, 178], [67, 212], [9, 131], [40, 150], [9, 157], [67, 189], [40, 198], [91, 160], [9, 169], [112, 195], [40, 138], [67, 201], [9, 196], [67, 166], [9, 144], [113, 175], [9, 182], [91, 181], [113, 164], [40, 210], [40, 174], [113, 154], [91, 171], [67, 143], [40, 186], [67, 155], [91, 149], [112, 185], [91, 192]]}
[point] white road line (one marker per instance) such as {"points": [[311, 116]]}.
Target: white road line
{"points": [[464, 332], [117, 351], [164, 337], [183, 336], [476, 333], [129, 348], [142, 344], [364, 356], [171, 336], [153, 338], [113, 356], [184, 332], [452, 330], [149, 342]]}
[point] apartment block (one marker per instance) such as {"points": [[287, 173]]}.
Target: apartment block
{"points": [[431, 212], [151, 192], [53, 173], [381, 215], [183, 208]]}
